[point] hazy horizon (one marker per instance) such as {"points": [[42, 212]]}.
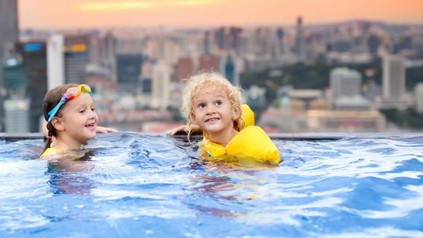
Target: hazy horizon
{"points": [[71, 14]]}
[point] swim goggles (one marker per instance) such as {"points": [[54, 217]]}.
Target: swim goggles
{"points": [[70, 94]]}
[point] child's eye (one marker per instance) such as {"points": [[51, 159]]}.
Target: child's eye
{"points": [[201, 105], [218, 102], [93, 109], [82, 111]]}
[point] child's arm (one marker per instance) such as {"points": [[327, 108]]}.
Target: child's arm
{"points": [[102, 129]]}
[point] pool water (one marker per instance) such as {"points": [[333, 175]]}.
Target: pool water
{"points": [[149, 185]]}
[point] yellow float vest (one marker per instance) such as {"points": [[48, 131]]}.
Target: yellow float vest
{"points": [[50, 151], [247, 115], [251, 145]]}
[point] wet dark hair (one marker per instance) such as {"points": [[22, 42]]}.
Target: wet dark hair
{"points": [[51, 99]]}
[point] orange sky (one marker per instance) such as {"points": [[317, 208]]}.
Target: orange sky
{"points": [[180, 13]]}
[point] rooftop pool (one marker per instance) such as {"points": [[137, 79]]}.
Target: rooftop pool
{"points": [[151, 185]]}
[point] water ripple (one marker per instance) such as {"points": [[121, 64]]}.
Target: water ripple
{"points": [[157, 185]]}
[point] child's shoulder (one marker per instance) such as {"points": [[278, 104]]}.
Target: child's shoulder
{"points": [[50, 152]]}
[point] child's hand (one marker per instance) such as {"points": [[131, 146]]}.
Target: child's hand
{"points": [[176, 130], [183, 129], [102, 129]]}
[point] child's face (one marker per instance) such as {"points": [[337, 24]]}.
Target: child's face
{"points": [[79, 118], [213, 111]]}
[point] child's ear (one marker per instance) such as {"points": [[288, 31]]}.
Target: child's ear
{"points": [[57, 124], [236, 113]]}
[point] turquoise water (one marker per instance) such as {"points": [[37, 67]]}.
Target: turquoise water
{"points": [[141, 185]]}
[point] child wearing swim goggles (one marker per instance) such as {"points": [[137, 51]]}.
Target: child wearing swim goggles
{"points": [[213, 105], [71, 118]]}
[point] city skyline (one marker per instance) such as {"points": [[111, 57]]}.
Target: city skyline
{"points": [[70, 14]]}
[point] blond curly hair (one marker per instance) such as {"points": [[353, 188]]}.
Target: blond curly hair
{"points": [[210, 80]]}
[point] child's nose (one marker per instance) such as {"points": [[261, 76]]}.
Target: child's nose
{"points": [[210, 109], [93, 114]]}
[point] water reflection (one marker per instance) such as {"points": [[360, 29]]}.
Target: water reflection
{"points": [[224, 185], [69, 175]]}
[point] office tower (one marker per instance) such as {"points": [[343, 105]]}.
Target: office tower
{"points": [[345, 82], [17, 115], [185, 68], [280, 36], [161, 86], [128, 68], [300, 44], [234, 38], [15, 80], [230, 70], [170, 51], [373, 43], [228, 38], [9, 34], [34, 55], [393, 78], [418, 92], [220, 38], [207, 43], [208, 63], [108, 55], [55, 61], [9, 27], [76, 58]]}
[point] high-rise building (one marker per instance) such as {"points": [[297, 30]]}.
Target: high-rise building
{"points": [[76, 58], [300, 43], [393, 78], [128, 68], [9, 34], [55, 61], [15, 79], [185, 68], [17, 115], [34, 56], [418, 92], [230, 70], [228, 38], [161, 86], [280, 36], [108, 55], [208, 63], [207, 43], [345, 82]]}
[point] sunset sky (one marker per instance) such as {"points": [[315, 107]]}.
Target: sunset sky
{"points": [[43, 14]]}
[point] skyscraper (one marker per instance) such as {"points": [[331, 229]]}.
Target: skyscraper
{"points": [[55, 61], [208, 63], [300, 47], [9, 28], [185, 68], [231, 70], [345, 82], [280, 36], [108, 55], [34, 55], [161, 86], [128, 70], [9, 33], [393, 78], [76, 58]]}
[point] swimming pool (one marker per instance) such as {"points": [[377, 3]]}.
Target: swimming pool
{"points": [[146, 185]]}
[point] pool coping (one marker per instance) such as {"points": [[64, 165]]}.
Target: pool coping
{"points": [[276, 136]]}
